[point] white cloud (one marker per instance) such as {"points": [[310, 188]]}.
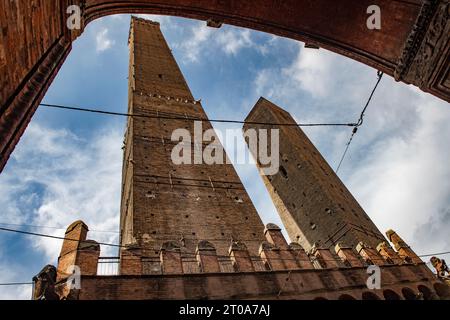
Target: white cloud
{"points": [[75, 179], [9, 275], [103, 42], [312, 72], [404, 181], [11, 272], [398, 164], [203, 40], [192, 46], [232, 42]]}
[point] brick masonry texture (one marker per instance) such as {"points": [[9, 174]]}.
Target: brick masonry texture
{"points": [[165, 202], [314, 204]]}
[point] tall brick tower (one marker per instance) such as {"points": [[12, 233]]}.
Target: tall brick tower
{"points": [[161, 201], [315, 206]]}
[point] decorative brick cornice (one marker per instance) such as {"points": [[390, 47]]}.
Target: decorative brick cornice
{"points": [[426, 45]]}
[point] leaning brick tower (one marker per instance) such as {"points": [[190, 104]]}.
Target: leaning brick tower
{"points": [[190, 231], [314, 204]]}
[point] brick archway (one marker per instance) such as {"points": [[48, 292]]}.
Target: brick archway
{"points": [[411, 46]]}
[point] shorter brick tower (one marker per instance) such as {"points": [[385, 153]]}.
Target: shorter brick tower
{"points": [[315, 206]]}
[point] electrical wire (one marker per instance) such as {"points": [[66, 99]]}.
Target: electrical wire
{"points": [[186, 118], [360, 121], [48, 227], [124, 246]]}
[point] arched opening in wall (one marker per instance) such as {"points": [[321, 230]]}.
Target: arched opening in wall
{"points": [[408, 294], [346, 297], [391, 295], [370, 296], [442, 290], [427, 294]]}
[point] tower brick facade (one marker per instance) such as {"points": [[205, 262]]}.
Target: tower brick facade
{"points": [[314, 204], [161, 201]]}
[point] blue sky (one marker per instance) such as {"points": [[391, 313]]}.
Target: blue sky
{"points": [[68, 165]]}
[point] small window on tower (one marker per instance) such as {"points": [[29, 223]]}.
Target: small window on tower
{"points": [[238, 200], [160, 76], [283, 172]]}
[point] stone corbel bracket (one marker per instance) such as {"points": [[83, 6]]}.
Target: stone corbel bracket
{"points": [[425, 61]]}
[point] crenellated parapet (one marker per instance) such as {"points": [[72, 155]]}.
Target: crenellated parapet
{"points": [[278, 267], [275, 254]]}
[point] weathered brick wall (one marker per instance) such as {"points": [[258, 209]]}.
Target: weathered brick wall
{"points": [[302, 284], [29, 28]]}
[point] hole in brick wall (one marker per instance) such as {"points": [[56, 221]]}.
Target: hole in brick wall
{"points": [[304, 194], [217, 217], [154, 232], [151, 195], [160, 76], [283, 172], [294, 206], [223, 234], [187, 216], [246, 218], [254, 234], [194, 234]]}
